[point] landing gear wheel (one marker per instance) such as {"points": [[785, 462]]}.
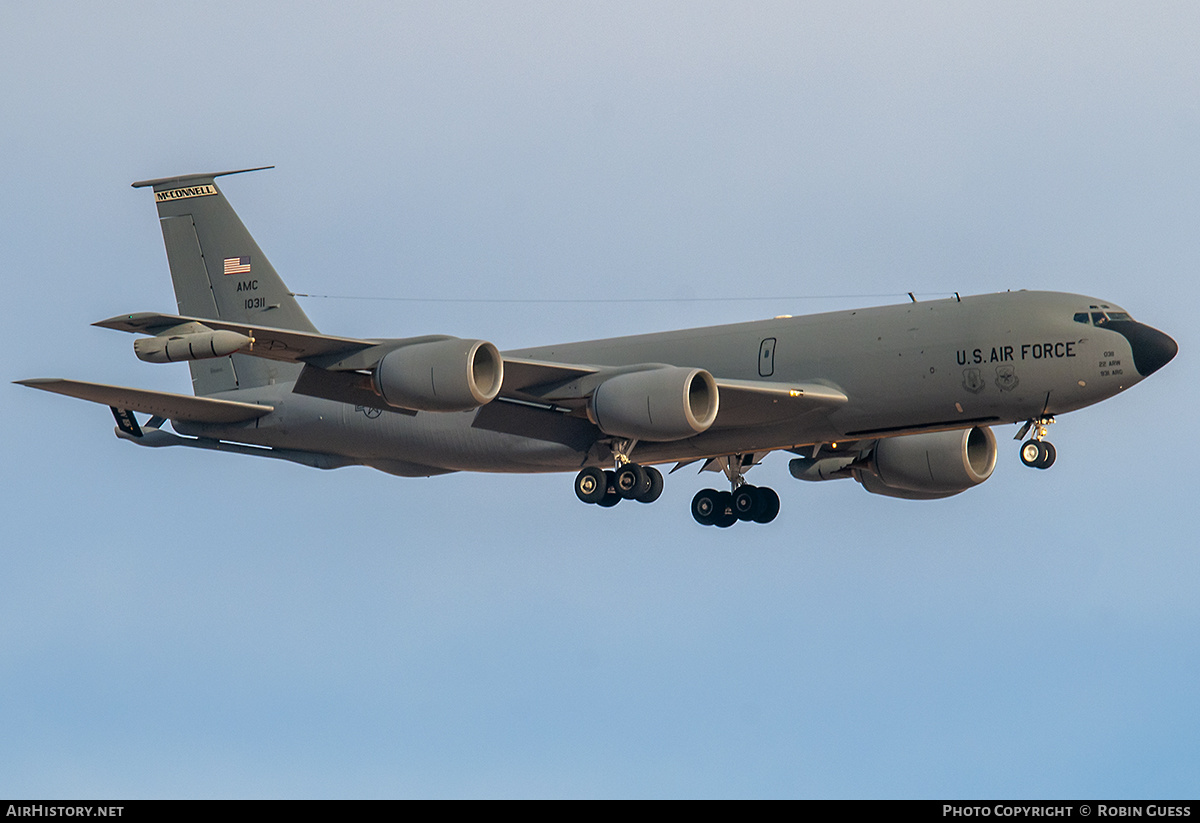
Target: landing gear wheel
{"points": [[631, 481], [1038, 454], [1031, 453], [747, 501], [725, 516], [590, 485], [1048, 455], [768, 505], [704, 506], [610, 498], [655, 485]]}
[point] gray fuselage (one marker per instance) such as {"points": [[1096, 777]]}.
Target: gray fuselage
{"points": [[945, 364]]}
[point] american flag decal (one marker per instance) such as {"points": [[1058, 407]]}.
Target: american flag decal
{"points": [[237, 265]]}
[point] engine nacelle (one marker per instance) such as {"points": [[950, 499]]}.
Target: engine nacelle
{"points": [[930, 466], [876, 486], [665, 403], [441, 375], [201, 345]]}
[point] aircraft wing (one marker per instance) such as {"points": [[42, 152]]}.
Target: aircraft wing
{"points": [[332, 362], [323, 351], [271, 343], [756, 402], [545, 381], [742, 402], [158, 403]]}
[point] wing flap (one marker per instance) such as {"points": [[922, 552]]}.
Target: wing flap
{"points": [[525, 379], [162, 404], [342, 387], [757, 402], [536, 423], [810, 392]]}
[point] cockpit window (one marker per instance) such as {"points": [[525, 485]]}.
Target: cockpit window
{"points": [[1100, 318]]}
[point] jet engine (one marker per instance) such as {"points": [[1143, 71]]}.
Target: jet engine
{"points": [[442, 375], [930, 466], [913, 466], [664, 403]]}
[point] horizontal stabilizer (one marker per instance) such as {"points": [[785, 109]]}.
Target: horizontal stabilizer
{"points": [[186, 178], [158, 403]]}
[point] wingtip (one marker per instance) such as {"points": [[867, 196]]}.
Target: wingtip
{"points": [[47, 384]]}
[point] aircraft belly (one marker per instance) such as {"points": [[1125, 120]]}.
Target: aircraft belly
{"points": [[814, 428], [447, 439], [442, 440]]}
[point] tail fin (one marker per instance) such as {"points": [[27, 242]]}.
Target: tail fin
{"points": [[220, 272]]}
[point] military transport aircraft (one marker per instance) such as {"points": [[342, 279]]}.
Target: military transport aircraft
{"points": [[899, 398]]}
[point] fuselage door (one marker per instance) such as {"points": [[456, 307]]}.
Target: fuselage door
{"points": [[766, 357]]}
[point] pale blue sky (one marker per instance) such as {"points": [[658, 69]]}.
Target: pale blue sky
{"points": [[178, 623]]}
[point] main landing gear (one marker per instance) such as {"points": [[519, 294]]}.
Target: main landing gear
{"points": [[710, 507], [608, 488], [722, 509], [1037, 452], [743, 502]]}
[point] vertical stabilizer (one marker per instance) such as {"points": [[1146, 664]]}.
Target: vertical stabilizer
{"points": [[220, 272]]}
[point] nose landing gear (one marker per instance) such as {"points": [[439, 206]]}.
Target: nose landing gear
{"points": [[1037, 452]]}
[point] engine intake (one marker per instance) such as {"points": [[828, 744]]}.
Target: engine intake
{"points": [[663, 403], [442, 375]]}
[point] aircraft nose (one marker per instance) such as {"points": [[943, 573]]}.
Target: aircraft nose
{"points": [[1151, 348]]}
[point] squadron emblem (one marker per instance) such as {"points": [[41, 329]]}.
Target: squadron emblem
{"points": [[973, 380], [1006, 378]]}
